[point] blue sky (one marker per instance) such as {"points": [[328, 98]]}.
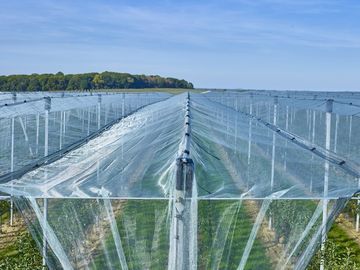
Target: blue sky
{"points": [[264, 44]]}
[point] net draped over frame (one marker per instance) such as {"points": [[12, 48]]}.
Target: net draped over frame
{"points": [[272, 170]]}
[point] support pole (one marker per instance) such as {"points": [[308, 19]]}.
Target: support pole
{"points": [[350, 131], [336, 132], [249, 144], [44, 251], [313, 141], [37, 133], [99, 112], [357, 212], [12, 161], [329, 107], [46, 152], [123, 105], [236, 126], [61, 130], [88, 122], [287, 129], [273, 154]]}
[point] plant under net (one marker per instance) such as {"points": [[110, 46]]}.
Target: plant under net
{"points": [[193, 181]]}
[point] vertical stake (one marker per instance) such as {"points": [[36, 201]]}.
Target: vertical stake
{"points": [[329, 108], [357, 212], [249, 139], [123, 105], [12, 161], [336, 132], [46, 152], [273, 154], [99, 112], [37, 132]]}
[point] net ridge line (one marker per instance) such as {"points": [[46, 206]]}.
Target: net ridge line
{"points": [[60, 153], [350, 167]]}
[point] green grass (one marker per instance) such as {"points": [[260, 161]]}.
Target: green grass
{"points": [[344, 242], [341, 252]]}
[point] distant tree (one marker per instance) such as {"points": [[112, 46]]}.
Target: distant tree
{"points": [[34, 85], [98, 81], [85, 81]]}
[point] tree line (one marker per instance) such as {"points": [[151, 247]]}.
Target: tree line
{"points": [[87, 81]]}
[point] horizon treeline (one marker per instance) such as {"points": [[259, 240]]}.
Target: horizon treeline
{"points": [[87, 81]]}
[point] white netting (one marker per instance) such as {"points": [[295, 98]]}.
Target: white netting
{"points": [[233, 180]]}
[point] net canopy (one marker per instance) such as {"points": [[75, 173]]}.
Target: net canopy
{"points": [[233, 179]]}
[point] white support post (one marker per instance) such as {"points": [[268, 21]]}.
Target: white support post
{"points": [[106, 114], [46, 152], [37, 133], [61, 130], [12, 161], [88, 122], [12, 144], [357, 212], [273, 155], [249, 143], [313, 141], [336, 132], [236, 124], [64, 124], [329, 106], [123, 105], [12, 168], [287, 129], [99, 112], [44, 251], [46, 135], [350, 131], [83, 120]]}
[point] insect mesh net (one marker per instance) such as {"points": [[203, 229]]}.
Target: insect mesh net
{"points": [[263, 180]]}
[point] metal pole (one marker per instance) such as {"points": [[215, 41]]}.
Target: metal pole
{"points": [[37, 132], [357, 211], [61, 130], [12, 168], [350, 131], [88, 122], [313, 141], [99, 112], [273, 155], [236, 124], [46, 152], [123, 105], [336, 132], [249, 145], [44, 251], [287, 129], [12, 161], [329, 107]]}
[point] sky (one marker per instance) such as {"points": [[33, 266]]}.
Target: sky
{"points": [[256, 44]]}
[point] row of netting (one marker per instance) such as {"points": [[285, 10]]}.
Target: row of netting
{"points": [[45, 125], [304, 116], [243, 195]]}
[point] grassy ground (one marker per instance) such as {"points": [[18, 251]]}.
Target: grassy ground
{"points": [[18, 250], [341, 252]]}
